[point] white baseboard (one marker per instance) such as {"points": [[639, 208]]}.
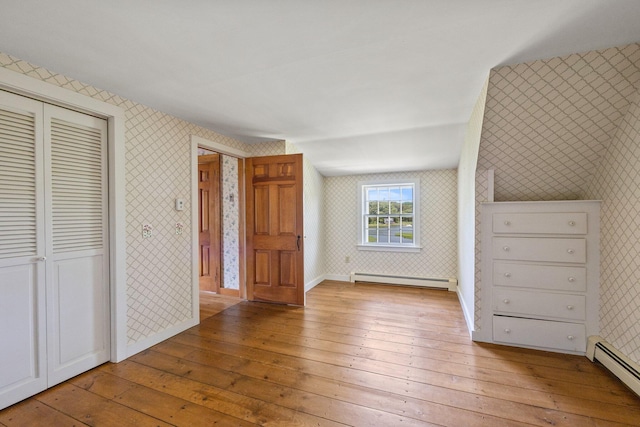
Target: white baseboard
{"points": [[144, 344], [338, 277], [465, 311], [312, 284]]}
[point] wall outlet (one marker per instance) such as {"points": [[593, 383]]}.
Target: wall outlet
{"points": [[147, 230], [347, 259]]}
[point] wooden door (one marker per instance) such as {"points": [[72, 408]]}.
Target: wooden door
{"points": [[209, 220], [275, 252], [22, 251]]}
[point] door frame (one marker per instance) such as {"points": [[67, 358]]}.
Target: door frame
{"points": [[197, 141], [22, 84]]}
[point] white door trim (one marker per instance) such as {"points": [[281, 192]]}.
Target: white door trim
{"points": [[196, 142], [41, 90]]}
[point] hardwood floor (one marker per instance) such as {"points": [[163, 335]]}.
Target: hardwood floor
{"points": [[359, 355]]}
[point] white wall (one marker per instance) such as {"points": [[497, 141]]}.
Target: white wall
{"points": [[467, 210], [438, 258]]}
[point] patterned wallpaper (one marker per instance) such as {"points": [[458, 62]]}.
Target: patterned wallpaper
{"points": [[438, 257], [157, 172], [548, 122], [568, 128], [230, 223], [270, 148], [616, 183]]}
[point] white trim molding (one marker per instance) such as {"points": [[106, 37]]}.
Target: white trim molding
{"points": [[24, 85]]}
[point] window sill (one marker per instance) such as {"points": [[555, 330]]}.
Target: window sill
{"points": [[389, 248]]}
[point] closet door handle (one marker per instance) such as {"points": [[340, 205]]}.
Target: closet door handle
{"points": [[298, 243]]}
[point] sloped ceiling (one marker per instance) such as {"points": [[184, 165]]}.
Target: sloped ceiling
{"points": [[359, 86], [547, 122]]}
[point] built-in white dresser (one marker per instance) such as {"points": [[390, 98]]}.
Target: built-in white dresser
{"points": [[540, 274]]}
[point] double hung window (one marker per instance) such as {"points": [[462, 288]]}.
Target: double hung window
{"points": [[389, 215]]}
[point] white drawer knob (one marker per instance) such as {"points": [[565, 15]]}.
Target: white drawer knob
{"points": [[570, 337], [507, 330], [572, 223], [570, 251], [506, 301], [507, 223], [505, 248], [572, 279], [569, 307], [507, 274]]}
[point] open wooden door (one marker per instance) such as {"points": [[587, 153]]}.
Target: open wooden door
{"points": [[275, 252], [209, 240]]}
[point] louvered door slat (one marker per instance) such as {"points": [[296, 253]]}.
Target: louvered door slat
{"points": [[18, 188], [77, 187]]}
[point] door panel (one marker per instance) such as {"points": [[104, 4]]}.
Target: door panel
{"points": [[23, 353], [275, 253], [209, 222], [77, 262]]}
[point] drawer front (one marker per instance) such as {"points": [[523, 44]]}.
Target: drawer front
{"points": [[541, 223], [540, 333], [540, 249], [540, 276], [540, 304]]}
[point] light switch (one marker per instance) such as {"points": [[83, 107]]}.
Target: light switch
{"points": [[179, 204]]}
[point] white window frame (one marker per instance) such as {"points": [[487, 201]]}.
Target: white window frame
{"points": [[390, 247]]}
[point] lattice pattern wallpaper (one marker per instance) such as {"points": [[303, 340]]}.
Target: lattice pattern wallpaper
{"points": [[230, 223], [157, 171], [548, 122], [617, 184], [438, 257], [270, 148]]}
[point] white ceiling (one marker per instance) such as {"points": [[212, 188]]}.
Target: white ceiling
{"points": [[359, 86]]}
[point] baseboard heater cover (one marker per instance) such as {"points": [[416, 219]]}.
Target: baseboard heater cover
{"points": [[433, 282], [620, 365]]}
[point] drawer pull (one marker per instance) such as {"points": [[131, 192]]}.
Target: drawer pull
{"points": [[570, 337], [569, 307], [506, 301], [507, 274], [572, 223], [507, 223], [570, 251], [572, 279], [505, 248], [507, 330]]}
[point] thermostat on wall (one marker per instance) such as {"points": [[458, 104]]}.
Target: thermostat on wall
{"points": [[179, 204]]}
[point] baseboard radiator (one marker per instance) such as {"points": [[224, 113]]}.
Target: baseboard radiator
{"points": [[429, 282], [620, 365]]}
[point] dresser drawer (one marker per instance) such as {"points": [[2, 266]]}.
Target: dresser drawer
{"points": [[539, 333], [539, 304], [540, 223], [559, 278], [572, 250]]}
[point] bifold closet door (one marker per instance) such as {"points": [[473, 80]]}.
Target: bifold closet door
{"points": [[54, 267], [77, 267], [23, 369]]}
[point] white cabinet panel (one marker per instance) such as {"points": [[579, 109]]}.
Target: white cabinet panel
{"points": [[540, 249], [540, 223], [539, 304], [540, 333], [540, 276]]}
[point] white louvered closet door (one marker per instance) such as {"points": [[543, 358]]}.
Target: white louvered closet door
{"points": [[54, 267], [77, 242], [22, 245]]}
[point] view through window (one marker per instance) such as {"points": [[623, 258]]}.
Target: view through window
{"points": [[388, 214]]}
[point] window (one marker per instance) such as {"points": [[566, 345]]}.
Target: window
{"points": [[389, 215]]}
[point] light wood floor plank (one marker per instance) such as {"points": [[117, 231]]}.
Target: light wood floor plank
{"points": [[357, 355]]}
